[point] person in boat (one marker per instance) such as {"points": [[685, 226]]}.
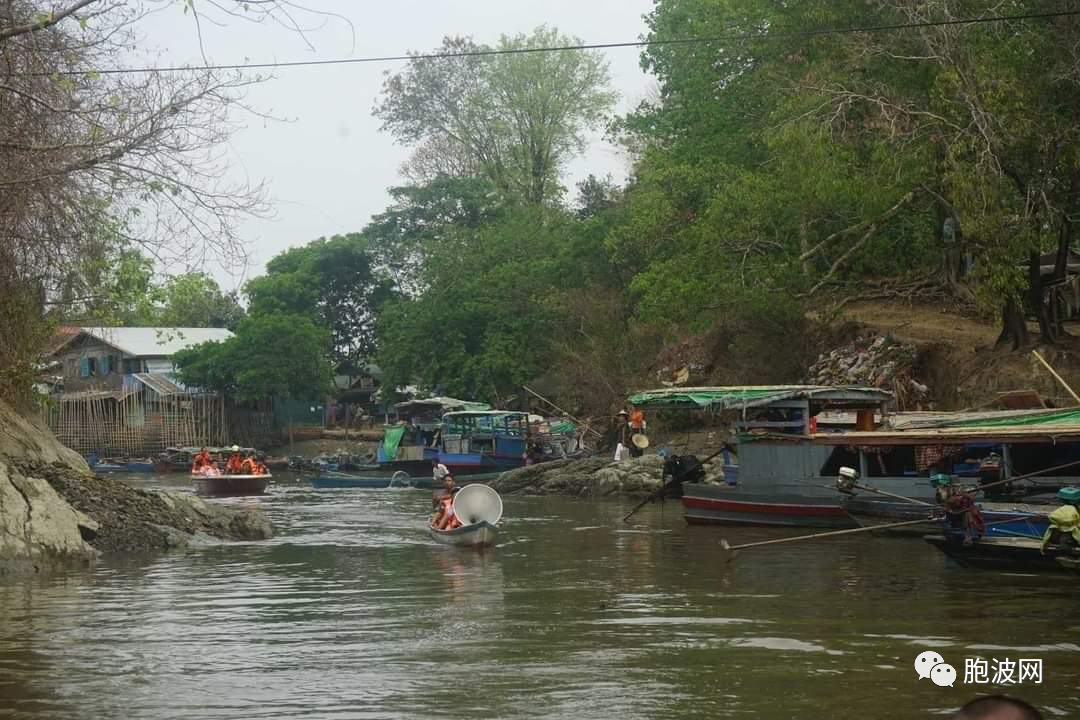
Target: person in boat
{"points": [[250, 466], [439, 473], [444, 517], [202, 461], [235, 465]]}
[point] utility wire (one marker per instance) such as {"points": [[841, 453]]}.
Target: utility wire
{"points": [[585, 46]]}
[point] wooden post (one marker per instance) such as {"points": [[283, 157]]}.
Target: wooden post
{"points": [[1056, 376]]}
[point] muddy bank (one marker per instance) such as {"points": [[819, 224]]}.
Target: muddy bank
{"points": [[591, 477]]}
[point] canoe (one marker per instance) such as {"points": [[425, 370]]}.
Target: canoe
{"points": [[329, 479], [477, 535], [1013, 554], [230, 485]]}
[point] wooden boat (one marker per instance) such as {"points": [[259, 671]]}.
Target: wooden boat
{"points": [[477, 535], [230, 485], [479, 508], [1012, 554], [329, 479]]}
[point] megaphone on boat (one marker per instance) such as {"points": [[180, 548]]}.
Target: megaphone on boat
{"points": [[477, 503]]}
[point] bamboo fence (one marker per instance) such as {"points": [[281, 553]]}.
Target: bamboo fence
{"points": [[138, 423]]}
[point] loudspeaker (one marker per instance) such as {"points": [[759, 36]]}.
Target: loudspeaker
{"points": [[477, 503]]}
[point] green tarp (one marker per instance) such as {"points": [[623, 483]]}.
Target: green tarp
{"points": [[729, 398], [1070, 416], [391, 440]]}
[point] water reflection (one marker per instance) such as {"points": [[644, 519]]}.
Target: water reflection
{"points": [[353, 612]]}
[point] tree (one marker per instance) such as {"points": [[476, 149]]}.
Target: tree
{"points": [[94, 162], [516, 118], [194, 299], [424, 219], [242, 366], [333, 282]]}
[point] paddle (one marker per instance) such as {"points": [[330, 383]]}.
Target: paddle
{"points": [[729, 550], [663, 488]]}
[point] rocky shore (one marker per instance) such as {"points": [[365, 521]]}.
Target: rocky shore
{"points": [[55, 513], [591, 477]]}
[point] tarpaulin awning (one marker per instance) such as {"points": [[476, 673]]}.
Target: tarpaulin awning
{"points": [[391, 440], [991, 419], [718, 399]]}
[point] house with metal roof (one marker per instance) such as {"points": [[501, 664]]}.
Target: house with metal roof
{"points": [[120, 396]]}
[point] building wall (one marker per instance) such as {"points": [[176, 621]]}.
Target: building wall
{"points": [[89, 364]]}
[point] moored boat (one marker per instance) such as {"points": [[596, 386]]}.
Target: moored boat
{"points": [[1011, 554], [330, 479], [792, 441], [230, 485]]}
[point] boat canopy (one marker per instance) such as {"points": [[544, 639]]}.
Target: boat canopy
{"points": [[718, 399], [988, 419], [441, 403]]}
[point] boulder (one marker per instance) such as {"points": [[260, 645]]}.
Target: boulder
{"points": [[38, 529], [591, 477], [53, 512]]}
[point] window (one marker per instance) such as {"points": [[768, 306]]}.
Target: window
{"points": [[87, 367], [132, 365], [106, 364]]}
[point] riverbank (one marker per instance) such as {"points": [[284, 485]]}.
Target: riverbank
{"points": [[594, 477], [55, 513]]}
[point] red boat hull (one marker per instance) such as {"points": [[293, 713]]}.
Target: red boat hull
{"points": [[708, 506]]}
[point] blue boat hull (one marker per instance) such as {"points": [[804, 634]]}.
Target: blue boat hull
{"points": [[370, 482]]}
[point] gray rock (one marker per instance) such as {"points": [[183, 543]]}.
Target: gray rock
{"points": [[591, 477]]}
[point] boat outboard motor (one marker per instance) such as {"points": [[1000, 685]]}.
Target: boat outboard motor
{"points": [[845, 481], [477, 503], [682, 468]]}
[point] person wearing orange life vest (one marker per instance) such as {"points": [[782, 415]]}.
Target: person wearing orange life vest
{"points": [[248, 467], [202, 461], [235, 465]]}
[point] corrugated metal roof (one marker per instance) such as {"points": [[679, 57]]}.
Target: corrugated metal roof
{"points": [[154, 341], [159, 384]]}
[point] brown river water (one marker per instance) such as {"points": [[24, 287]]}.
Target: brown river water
{"points": [[351, 612]]}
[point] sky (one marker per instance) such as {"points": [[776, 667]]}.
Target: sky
{"points": [[327, 164]]}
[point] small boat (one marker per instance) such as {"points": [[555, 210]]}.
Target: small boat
{"points": [[230, 485], [478, 534], [479, 509], [1003, 553], [329, 479]]}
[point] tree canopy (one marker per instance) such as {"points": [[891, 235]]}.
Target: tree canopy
{"points": [[514, 118]]}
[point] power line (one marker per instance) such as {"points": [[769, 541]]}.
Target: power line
{"points": [[739, 37]]}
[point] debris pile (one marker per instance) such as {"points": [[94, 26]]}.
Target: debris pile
{"points": [[874, 361]]}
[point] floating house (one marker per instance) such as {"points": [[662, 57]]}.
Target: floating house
{"points": [[120, 397]]}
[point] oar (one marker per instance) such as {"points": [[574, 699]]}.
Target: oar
{"points": [[729, 550]]}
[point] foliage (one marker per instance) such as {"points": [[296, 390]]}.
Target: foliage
{"points": [[333, 282], [514, 118], [282, 356]]}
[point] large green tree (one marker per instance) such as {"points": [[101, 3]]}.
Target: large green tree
{"points": [[333, 282], [515, 118]]}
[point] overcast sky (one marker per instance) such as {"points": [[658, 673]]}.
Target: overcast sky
{"points": [[328, 168]]}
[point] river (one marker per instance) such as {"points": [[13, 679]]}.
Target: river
{"points": [[351, 612]]}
